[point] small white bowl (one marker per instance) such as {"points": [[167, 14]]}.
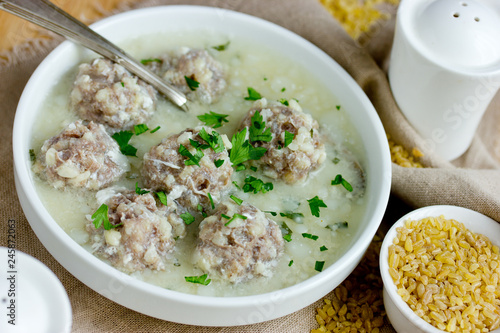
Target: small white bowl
{"points": [[176, 306], [32, 297], [402, 317]]}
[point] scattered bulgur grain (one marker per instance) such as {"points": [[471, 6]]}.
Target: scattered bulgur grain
{"points": [[356, 304], [402, 157], [456, 275], [355, 16]]}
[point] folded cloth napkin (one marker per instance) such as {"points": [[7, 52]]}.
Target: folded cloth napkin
{"points": [[471, 181]]}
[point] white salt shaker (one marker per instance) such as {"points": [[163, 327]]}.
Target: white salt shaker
{"points": [[445, 68]]}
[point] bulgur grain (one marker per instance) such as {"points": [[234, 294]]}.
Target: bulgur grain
{"points": [[456, 277]]}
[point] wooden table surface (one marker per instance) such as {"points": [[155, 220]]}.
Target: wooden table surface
{"points": [[14, 31]]}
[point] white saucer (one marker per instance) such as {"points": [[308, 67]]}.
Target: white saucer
{"points": [[40, 300]]}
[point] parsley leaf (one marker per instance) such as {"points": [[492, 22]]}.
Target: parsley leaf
{"points": [[254, 169], [155, 129], [288, 138], [338, 107], [283, 89], [270, 212], [323, 248], [123, 84], [191, 82], [286, 232], [147, 61], [338, 225], [290, 263], [192, 159], [256, 185], [314, 204], [122, 138], [313, 237], [236, 184], [240, 167], [236, 199], [202, 279], [336, 160], [138, 190], [340, 180], [235, 216], [258, 130], [242, 151], [187, 218], [253, 95], [218, 163], [141, 128], [162, 196], [221, 47], [214, 140], [213, 119], [319, 265], [100, 217]]}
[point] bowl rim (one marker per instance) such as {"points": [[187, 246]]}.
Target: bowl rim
{"points": [[25, 185], [460, 214]]}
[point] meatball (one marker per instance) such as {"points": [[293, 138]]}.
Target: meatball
{"points": [[81, 156], [304, 154], [238, 249], [197, 65], [107, 93], [143, 236], [165, 169]]}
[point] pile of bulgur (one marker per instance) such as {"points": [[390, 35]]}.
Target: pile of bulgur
{"points": [[356, 304], [448, 275]]}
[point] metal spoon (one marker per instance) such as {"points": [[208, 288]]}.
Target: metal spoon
{"points": [[51, 17]]}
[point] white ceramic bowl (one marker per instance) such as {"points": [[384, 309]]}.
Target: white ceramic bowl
{"points": [[176, 306], [402, 317]]}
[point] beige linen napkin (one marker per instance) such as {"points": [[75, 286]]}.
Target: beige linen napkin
{"points": [[472, 181]]}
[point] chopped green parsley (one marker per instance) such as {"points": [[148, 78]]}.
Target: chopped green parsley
{"points": [[235, 216], [138, 190], [100, 217], [214, 140], [338, 107], [147, 61], [258, 130], [270, 212], [236, 184], [336, 160], [122, 138], [242, 150], [314, 204], [254, 169], [292, 216], [338, 225], [340, 180], [253, 95], [192, 159], [319, 265], [221, 47], [283, 89], [286, 232], [162, 197], [123, 84], [155, 129], [32, 155], [141, 128], [213, 119], [192, 83], [202, 279], [218, 163], [288, 138], [211, 200], [236, 199], [187, 218], [323, 248], [284, 101], [310, 236], [290, 263], [256, 185], [201, 210]]}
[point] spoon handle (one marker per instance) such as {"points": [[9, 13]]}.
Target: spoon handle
{"points": [[51, 17]]}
